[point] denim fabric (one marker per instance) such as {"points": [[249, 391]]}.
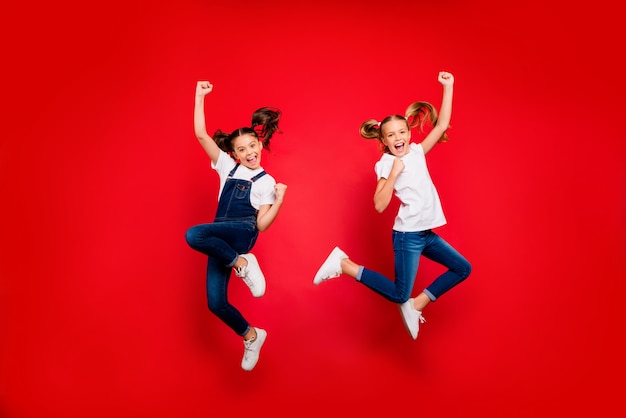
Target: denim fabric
{"points": [[232, 233], [235, 199], [407, 248]]}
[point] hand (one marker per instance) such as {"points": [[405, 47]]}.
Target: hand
{"points": [[203, 88], [397, 167], [280, 190], [445, 78]]}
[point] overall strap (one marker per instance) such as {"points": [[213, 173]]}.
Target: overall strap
{"points": [[258, 176], [232, 172]]}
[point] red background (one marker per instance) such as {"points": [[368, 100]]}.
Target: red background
{"points": [[102, 304]]}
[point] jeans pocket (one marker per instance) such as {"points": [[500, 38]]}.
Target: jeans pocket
{"points": [[241, 191]]}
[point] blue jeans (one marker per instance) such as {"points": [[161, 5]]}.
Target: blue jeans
{"points": [[222, 242], [407, 249]]}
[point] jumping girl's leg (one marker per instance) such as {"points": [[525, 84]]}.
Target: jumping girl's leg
{"points": [[218, 276], [438, 250], [407, 247], [228, 242], [213, 240]]}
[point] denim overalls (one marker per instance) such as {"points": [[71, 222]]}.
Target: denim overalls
{"points": [[233, 232], [234, 202]]}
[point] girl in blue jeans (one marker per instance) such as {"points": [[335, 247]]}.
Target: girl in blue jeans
{"points": [[402, 171], [248, 203]]}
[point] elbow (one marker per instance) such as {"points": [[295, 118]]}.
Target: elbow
{"points": [[442, 126], [380, 208], [263, 226], [202, 135]]}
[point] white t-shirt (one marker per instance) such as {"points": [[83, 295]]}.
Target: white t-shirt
{"points": [[262, 191], [420, 207]]}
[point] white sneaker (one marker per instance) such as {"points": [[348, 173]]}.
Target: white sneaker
{"points": [[252, 275], [412, 317], [252, 349], [331, 267]]}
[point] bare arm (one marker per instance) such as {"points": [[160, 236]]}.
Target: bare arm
{"points": [[445, 113], [199, 124], [268, 213], [384, 187]]}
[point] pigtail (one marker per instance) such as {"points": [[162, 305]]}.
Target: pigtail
{"points": [[370, 129], [222, 140], [419, 113], [265, 124]]}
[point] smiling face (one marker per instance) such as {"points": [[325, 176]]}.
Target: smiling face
{"points": [[396, 136], [247, 149]]}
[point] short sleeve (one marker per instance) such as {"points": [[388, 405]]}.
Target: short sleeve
{"points": [[263, 192], [268, 197], [383, 168], [223, 164]]}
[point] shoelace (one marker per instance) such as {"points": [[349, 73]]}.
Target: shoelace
{"points": [[242, 272], [248, 347], [332, 275], [422, 319]]}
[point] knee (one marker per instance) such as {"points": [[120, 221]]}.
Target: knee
{"points": [[465, 270], [190, 236]]}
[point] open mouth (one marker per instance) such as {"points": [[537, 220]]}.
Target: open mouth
{"points": [[399, 147]]}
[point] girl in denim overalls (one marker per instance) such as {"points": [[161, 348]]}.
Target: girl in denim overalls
{"points": [[249, 202], [402, 171]]}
